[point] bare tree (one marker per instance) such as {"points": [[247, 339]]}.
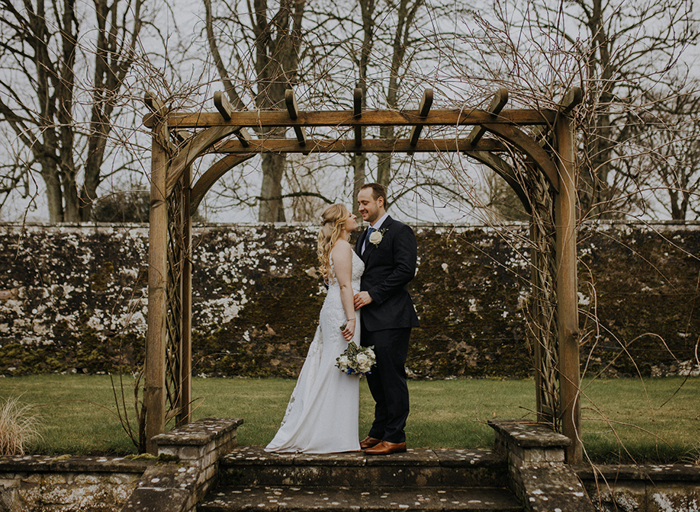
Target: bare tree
{"points": [[670, 168], [626, 49], [45, 49], [272, 37]]}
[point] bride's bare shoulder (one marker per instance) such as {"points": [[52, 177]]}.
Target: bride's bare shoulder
{"points": [[342, 245]]}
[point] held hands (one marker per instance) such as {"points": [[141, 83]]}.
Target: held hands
{"points": [[362, 299], [349, 329]]}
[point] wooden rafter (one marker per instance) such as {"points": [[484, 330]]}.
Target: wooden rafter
{"points": [[497, 103], [293, 110], [226, 110], [357, 113], [425, 104]]}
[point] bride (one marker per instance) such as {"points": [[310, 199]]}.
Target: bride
{"points": [[322, 415]]}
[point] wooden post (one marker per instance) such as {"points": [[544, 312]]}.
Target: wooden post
{"points": [[567, 290], [186, 296], [154, 387]]}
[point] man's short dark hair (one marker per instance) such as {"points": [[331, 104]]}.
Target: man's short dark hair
{"points": [[377, 191]]}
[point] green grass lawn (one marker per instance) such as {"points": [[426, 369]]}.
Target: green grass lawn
{"points": [[624, 419]]}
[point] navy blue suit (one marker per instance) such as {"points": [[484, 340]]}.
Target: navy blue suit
{"points": [[386, 323]]}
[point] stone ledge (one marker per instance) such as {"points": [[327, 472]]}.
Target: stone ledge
{"points": [[71, 463], [347, 499], [168, 487], [642, 488], [530, 435], [256, 456], [198, 433], [649, 473]]}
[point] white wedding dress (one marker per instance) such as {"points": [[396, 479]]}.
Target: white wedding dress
{"points": [[323, 412]]}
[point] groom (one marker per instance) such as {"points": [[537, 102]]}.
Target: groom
{"points": [[388, 249]]}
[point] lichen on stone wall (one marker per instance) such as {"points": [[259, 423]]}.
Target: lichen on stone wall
{"points": [[74, 299]]}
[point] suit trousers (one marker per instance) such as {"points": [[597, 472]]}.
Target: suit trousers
{"points": [[387, 382]]}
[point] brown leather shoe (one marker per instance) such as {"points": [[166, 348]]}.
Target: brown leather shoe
{"points": [[369, 442], [385, 448]]}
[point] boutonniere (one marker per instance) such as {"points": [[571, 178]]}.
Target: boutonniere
{"points": [[377, 236]]}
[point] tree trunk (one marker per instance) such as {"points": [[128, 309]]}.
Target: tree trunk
{"points": [[359, 162], [271, 204], [384, 159], [54, 195]]}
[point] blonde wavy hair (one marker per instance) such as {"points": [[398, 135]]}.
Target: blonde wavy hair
{"points": [[332, 223]]}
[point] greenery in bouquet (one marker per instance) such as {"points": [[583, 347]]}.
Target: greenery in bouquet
{"points": [[356, 360]]}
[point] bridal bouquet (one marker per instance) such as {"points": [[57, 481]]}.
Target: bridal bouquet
{"points": [[356, 360]]}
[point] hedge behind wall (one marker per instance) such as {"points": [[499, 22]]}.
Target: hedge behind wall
{"points": [[73, 299]]}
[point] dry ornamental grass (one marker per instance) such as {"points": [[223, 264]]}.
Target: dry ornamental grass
{"points": [[17, 426]]}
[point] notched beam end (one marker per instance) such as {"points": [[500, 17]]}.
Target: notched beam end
{"points": [[291, 102], [293, 110], [243, 136], [301, 135], [222, 105], [572, 98], [425, 103], [357, 112], [357, 102], [499, 100], [153, 102]]}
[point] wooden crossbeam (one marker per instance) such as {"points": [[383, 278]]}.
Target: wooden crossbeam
{"points": [[425, 104], [357, 111], [344, 118], [348, 145], [498, 101], [226, 110], [293, 110]]}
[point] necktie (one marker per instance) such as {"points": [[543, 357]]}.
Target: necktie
{"points": [[370, 230]]}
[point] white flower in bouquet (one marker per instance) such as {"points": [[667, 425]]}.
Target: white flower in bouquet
{"points": [[343, 363], [362, 360]]}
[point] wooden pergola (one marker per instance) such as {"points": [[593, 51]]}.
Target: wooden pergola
{"points": [[533, 150]]}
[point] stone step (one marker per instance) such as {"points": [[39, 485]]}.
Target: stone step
{"points": [[353, 499], [252, 466]]}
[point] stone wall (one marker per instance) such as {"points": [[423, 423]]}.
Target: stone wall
{"points": [[642, 487], [183, 472], [73, 299], [67, 483]]}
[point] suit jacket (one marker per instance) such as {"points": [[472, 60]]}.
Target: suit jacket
{"points": [[389, 266]]}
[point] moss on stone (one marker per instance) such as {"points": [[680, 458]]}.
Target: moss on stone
{"points": [[81, 301]]}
